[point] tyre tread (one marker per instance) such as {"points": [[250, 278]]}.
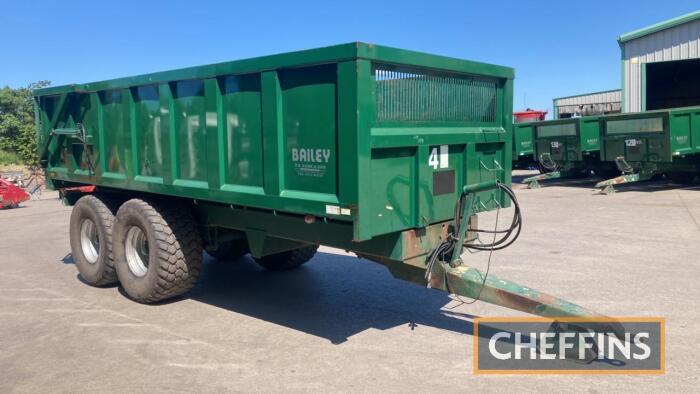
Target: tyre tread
{"points": [[179, 248], [288, 260], [105, 209]]}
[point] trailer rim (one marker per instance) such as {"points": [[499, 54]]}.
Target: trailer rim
{"points": [[89, 241], [137, 251]]}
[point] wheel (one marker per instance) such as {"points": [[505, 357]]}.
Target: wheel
{"points": [[288, 260], [230, 250], [681, 177], [91, 225], [157, 250]]}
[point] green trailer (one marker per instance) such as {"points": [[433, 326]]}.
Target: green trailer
{"points": [[648, 144], [523, 146], [568, 148], [384, 152]]}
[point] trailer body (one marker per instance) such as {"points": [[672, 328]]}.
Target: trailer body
{"points": [[523, 137], [523, 145], [663, 137], [573, 142], [356, 146], [648, 144], [368, 136], [568, 148]]}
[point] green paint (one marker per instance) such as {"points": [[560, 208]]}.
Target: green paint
{"points": [[695, 15], [643, 68], [533, 181], [308, 140], [650, 143], [666, 138], [523, 140], [311, 147], [470, 282], [240, 131], [147, 131], [349, 127], [572, 145], [608, 186]]}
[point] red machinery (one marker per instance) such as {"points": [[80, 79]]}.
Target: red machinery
{"points": [[11, 195], [529, 115]]}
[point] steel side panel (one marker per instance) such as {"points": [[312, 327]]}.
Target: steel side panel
{"points": [[523, 140], [684, 127], [302, 140], [589, 133], [571, 148], [680, 137]]}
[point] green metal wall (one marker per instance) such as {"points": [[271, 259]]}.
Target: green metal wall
{"points": [[523, 140], [379, 137], [654, 136], [567, 140]]}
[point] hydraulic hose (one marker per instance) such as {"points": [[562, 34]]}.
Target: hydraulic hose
{"points": [[446, 249]]}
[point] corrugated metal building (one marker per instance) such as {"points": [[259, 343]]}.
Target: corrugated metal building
{"points": [[607, 102], [661, 65]]}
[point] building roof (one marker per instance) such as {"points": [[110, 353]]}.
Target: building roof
{"points": [[587, 94], [659, 26]]}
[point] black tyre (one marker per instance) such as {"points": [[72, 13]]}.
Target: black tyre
{"points": [[230, 250], [91, 224], [288, 260], [681, 177], [157, 250]]}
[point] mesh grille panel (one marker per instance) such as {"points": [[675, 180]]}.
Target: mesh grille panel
{"points": [[644, 125], [556, 130], [415, 95]]}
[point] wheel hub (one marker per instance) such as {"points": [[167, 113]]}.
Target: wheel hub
{"points": [[136, 248], [89, 241]]}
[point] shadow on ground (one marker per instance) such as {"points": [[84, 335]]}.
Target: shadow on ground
{"points": [[655, 186], [589, 183], [332, 297]]}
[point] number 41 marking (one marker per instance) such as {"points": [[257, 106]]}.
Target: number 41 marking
{"points": [[441, 160]]}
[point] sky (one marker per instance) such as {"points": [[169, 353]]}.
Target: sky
{"points": [[558, 48]]}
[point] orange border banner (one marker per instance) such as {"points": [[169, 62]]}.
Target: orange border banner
{"points": [[602, 319]]}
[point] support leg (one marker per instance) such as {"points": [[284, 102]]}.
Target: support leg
{"points": [[608, 186], [533, 181]]}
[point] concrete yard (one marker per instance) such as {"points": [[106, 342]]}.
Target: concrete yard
{"points": [[343, 324]]}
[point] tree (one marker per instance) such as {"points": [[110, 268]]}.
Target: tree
{"points": [[17, 129]]}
